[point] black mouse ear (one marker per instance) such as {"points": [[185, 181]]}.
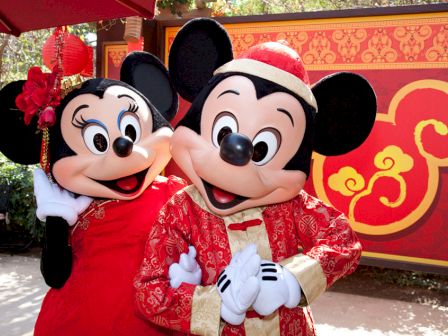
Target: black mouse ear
{"points": [[199, 48], [18, 142], [346, 113], [146, 73]]}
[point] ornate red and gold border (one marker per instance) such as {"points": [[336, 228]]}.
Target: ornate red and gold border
{"points": [[413, 41], [113, 55]]}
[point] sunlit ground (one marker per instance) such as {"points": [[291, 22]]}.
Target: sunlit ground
{"points": [[336, 314], [21, 292], [339, 314]]}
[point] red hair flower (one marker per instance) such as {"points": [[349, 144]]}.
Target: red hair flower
{"points": [[47, 118], [40, 95]]}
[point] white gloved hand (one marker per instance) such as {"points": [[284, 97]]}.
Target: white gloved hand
{"points": [[278, 287], [187, 270], [53, 201], [238, 285]]}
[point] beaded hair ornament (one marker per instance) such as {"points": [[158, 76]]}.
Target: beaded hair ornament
{"points": [[42, 93]]}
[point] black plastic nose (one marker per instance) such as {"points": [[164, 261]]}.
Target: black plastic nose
{"points": [[236, 149], [123, 146]]}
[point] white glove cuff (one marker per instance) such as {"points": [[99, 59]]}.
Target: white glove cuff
{"points": [[57, 210], [230, 317], [293, 288]]}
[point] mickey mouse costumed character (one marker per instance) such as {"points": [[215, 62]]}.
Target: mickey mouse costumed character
{"points": [[110, 142], [266, 248]]}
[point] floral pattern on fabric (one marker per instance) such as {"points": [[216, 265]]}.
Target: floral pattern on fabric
{"points": [[303, 223]]}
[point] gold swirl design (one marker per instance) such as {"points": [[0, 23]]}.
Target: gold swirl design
{"points": [[379, 48], [389, 166], [295, 39], [441, 129], [412, 40], [319, 50], [264, 38], [349, 42], [439, 50], [379, 59], [391, 161], [242, 42], [347, 181], [392, 158]]}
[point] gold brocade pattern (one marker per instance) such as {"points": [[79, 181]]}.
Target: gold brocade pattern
{"points": [[239, 239], [195, 195], [277, 230], [269, 325], [96, 209], [309, 274], [205, 311]]}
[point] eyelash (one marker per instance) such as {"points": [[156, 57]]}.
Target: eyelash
{"points": [[80, 124], [133, 108]]}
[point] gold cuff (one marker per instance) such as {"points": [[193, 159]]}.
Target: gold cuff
{"points": [[205, 311], [309, 274], [267, 325]]}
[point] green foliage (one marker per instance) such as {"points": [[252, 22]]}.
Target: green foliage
{"points": [[82, 30], [18, 54], [172, 5], [22, 206]]}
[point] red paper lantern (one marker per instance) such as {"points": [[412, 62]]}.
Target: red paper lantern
{"points": [[75, 54], [88, 70]]}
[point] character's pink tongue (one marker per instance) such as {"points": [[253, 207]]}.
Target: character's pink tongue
{"points": [[222, 196], [128, 183]]}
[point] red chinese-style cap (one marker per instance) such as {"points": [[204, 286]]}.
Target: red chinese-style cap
{"points": [[277, 62]]}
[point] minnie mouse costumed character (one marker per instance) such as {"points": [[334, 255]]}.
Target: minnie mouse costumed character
{"points": [[110, 142], [266, 248]]}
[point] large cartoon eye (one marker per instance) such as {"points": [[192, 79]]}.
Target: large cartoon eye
{"points": [[225, 123], [130, 127], [96, 138], [266, 145]]}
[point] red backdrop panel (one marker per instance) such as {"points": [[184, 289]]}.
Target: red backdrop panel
{"points": [[394, 187]]}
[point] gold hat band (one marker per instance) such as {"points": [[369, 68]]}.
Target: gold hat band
{"points": [[269, 72]]}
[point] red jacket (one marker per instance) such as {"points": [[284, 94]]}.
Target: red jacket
{"points": [[311, 239]]}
